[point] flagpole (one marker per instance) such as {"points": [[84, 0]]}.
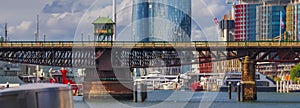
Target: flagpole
{"points": [[280, 17]]}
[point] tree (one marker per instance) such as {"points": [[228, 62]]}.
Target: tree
{"points": [[276, 79], [296, 80], [295, 72]]}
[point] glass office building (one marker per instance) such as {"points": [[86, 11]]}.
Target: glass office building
{"points": [[161, 20], [268, 22], [271, 2], [258, 19]]}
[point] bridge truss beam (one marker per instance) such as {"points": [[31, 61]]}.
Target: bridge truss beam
{"points": [[143, 57]]}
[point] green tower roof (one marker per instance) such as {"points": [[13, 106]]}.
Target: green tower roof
{"points": [[103, 20]]}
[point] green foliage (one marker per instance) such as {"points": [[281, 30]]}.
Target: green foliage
{"points": [[276, 79], [296, 79], [295, 72], [271, 76]]}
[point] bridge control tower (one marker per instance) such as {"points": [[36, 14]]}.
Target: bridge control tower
{"points": [[103, 29]]}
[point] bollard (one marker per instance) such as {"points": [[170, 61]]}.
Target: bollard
{"points": [[238, 91], [229, 90], [255, 94], [288, 86], [153, 85], [143, 92], [7, 84], [69, 85], [280, 86], [277, 86], [135, 94]]}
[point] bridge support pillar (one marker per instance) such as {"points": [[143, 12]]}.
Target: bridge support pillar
{"points": [[248, 80], [104, 81]]}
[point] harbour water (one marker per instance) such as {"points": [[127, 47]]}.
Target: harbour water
{"points": [[188, 99]]}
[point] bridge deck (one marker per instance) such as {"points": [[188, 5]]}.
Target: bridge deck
{"points": [[124, 44]]}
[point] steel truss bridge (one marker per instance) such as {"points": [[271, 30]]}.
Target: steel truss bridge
{"points": [[144, 54]]}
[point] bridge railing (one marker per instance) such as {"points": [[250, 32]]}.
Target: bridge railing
{"points": [[127, 44]]}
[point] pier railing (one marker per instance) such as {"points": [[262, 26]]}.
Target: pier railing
{"points": [[286, 87]]}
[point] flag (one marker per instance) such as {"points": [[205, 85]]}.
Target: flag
{"points": [[281, 21], [216, 21]]}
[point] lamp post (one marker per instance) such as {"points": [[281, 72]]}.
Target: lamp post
{"points": [[114, 19], [81, 37], [44, 37]]}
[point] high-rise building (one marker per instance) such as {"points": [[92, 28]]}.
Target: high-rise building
{"points": [[227, 28], [258, 19], [270, 21], [281, 2], [161, 20], [267, 20], [245, 20], [293, 22]]}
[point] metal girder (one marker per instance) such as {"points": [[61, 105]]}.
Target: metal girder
{"points": [[50, 57], [142, 57]]}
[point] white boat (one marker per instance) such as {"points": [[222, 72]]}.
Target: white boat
{"points": [[168, 86], [28, 78], [263, 82], [155, 80]]}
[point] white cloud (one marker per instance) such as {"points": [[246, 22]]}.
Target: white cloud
{"points": [[124, 13], [76, 16], [23, 26], [123, 17], [210, 33], [62, 6], [56, 19], [209, 8], [203, 12]]}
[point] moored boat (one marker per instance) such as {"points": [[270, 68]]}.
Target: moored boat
{"points": [[263, 82], [196, 86]]}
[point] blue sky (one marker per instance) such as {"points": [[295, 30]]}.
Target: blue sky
{"points": [[66, 20]]}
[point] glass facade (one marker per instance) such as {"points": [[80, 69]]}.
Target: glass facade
{"points": [[245, 22], [292, 22], [161, 20], [267, 1], [297, 12], [268, 22], [140, 15]]}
